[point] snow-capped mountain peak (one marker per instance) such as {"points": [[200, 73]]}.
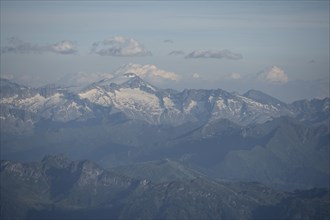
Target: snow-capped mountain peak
{"points": [[136, 82], [137, 99], [126, 80]]}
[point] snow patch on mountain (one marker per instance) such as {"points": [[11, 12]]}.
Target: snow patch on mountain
{"points": [[97, 96], [34, 103], [137, 100], [168, 103], [192, 104], [220, 104]]}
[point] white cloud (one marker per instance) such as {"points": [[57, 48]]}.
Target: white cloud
{"points": [[120, 46], [274, 75], [15, 45], [195, 76], [217, 54], [150, 72], [63, 47]]}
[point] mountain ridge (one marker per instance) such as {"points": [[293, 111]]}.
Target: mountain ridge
{"points": [[60, 188], [140, 100]]}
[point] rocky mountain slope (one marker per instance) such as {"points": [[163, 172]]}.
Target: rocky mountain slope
{"points": [[58, 188]]}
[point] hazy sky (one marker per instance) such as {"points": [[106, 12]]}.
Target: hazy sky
{"points": [[280, 47]]}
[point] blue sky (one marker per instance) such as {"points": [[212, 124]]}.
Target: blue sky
{"points": [[280, 47]]}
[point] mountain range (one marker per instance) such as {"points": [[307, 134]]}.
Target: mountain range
{"points": [[23, 108], [59, 188], [213, 147]]}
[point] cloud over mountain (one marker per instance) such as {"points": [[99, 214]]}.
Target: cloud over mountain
{"points": [[63, 47], [273, 75], [15, 45], [119, 46], [233, 76], [217, 54], [150, 72]]}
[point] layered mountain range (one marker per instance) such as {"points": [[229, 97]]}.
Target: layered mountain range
{"points": [[123, 120]]}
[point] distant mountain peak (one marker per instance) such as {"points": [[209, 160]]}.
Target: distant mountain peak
{"points": [[126, 80], [8, 83], [263, 97], [136, 82]]}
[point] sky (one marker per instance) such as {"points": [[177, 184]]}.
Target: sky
{"points": [[278, 47]]}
